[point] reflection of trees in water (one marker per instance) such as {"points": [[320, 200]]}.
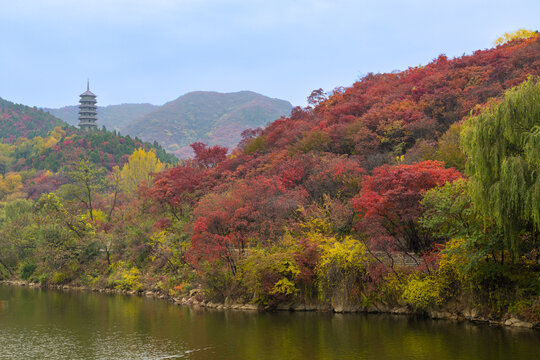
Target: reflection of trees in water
{"points": [[3, 306]]}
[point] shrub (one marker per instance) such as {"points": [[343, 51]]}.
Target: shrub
{"points": [[422, 293], [285, 287], [342, 268], [125, 277], [43, 279], [217, 282], [527, 310], [255, 145], [59, 278], [315, 140], [91, 279], [270, 275], [27, 269]]}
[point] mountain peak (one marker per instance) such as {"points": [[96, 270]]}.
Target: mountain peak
{"points": [[212, 117]]}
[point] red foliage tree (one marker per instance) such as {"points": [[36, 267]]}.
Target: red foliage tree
{"points": [[389, 204], [208, 156], [307, 257], [43, 183], [247, 135], [251, 211], [177, 187]]}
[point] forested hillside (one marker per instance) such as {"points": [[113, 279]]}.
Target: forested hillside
{"points": [[416, 190], [67, 146], [38, 150], [18, 120], [402, 114]]}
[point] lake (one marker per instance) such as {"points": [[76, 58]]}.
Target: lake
{"points": [[47, 324]]}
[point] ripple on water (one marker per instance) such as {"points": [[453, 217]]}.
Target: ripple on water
{"points": [[54, 343]]}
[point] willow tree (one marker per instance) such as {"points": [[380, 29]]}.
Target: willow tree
{"points": [[503, 145]]}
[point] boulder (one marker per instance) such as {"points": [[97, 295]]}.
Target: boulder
{"points": [[514, 322]]}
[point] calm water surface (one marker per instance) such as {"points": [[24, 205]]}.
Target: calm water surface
{"points": [[41, 324]]}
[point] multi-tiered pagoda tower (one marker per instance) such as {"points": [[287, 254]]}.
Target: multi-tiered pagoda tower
{"points": [[88, 110]]}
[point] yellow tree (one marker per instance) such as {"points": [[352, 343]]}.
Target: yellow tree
{"points": [[140, 166], [47, 143], [518, 34], [10, 186]]}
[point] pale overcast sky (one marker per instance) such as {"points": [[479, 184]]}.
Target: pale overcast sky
{"points": [[154, 51]]}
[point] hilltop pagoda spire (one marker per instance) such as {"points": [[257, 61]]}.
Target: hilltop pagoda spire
{"points": [[88, 109]]}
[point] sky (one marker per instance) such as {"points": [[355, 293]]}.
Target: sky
{"points": [[154, 51]]}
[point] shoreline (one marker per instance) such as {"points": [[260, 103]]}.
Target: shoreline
{"points": [[471, 316]]}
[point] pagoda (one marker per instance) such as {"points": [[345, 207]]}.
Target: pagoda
{"points": [[88, 110]]}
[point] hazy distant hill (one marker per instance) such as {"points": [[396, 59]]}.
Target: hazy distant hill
{"points": [[211, 117], [112, 116], [18, 120]]}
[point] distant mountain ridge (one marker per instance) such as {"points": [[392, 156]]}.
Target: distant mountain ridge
{"points": [[113, 117], [211, 117]]}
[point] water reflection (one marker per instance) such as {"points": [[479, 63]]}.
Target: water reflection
{"points": [[3, 306], [54, 325]]}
